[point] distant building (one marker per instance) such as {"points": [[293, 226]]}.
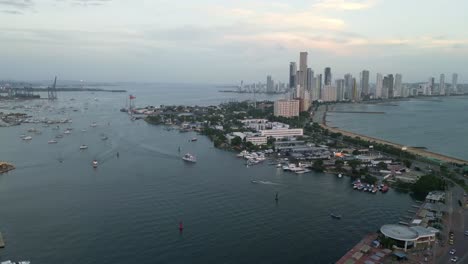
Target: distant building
{"points": [[302, 77], [318, 86], [328, 76], [379, 85], [364, 82], [340, 87], [398, 85], [348, 86], [355, 92], [431, 84], [442, 84], [286, 108], [292, 75], [257, 140], [387, 90], [310, 77], [455, 83], [329, 93], [270, 85]]}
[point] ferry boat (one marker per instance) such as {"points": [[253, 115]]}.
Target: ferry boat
{"points": [[83, 147], [52, 141], [189, 158], [95, 163]]}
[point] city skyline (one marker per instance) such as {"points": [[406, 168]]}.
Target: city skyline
{"points": [[117, 40]]}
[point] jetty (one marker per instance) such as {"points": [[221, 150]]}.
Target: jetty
{"points": [[5, 167]]}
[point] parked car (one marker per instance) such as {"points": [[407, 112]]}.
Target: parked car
{"points": [[452, 251], [454, 259], [466, 233]]}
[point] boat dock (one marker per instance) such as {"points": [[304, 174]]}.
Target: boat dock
{"points": [[2, 243]]}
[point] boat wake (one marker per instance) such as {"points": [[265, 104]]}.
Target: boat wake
{"points": [[265, 182]]}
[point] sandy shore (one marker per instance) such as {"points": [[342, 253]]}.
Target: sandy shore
{"points": [[416, 151]]}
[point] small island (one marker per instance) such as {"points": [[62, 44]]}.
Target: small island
{"points": [[6, 167]]}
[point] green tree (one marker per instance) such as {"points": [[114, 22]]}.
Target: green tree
{"points": [[236, 141], [407, 163], [382, 166], [354, 164], [426, 184], [318, 165], [355, 152]]}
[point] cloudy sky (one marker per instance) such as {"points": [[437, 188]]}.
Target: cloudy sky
{"points": [[225, 41]]}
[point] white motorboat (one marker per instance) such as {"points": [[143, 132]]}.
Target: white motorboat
{"points": [[94, 124], [83, 147], [67, 132], [27, 138], [189, 158], [95, 163], [52, 141]]}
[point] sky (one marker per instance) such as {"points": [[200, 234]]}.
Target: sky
{"points": [[226, 41]]}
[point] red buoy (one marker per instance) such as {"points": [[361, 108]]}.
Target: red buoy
{"points": [[181, 226]]}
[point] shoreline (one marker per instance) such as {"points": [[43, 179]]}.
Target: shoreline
{"points": [[413, 150]]}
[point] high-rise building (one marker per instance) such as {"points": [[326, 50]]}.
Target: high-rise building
{"points": [[379, 86], [286, 108], [355, 91], [292, 75], [386, 87], [329, 93], [318, 85], [364, 82], [340, 87], [431, 85], [442, 84], [270, 85], [348, 86], [302, 70], [389, 84], [398, 85], [455, 83], [310, 76], [328, 76]]}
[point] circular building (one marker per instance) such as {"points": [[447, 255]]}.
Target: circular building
{"points": [[408, 236]]}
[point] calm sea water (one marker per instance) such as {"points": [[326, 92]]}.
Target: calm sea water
{"points": [[128, 209], [439, 124]]}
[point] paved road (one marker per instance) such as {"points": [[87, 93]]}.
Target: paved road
{"points": [[458, 223]]}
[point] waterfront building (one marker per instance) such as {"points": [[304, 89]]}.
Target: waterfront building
{"points": [[329, 93], [282, 133], [328, 76], [292, 75], [409, 237], [387, 90], [398, 85], [355, 92], [340, 89], [286, 108], [257, 140], [442, 84], [270, 88], [379, 85], [364, 83], [390, 83], [455, 83], [348, 86]]}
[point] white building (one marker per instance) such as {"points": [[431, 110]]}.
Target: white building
{"points": [[282, 133], [442, 84], [455, 83], [329, 93], [398, 85], [257, 140]]}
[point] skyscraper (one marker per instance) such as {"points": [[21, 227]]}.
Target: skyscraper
{"points": [[455, 83], [355, 92], [328, 76], [292, 74], [364, 82], [318, 85], [302, 81], [310, 76], [378, 86], [348, 86], [442, 84], [431, 85], [391, 92], [398, 85], [340, 86], [270, 85]]}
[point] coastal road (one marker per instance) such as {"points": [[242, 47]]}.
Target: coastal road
{"points": [[458, 223]]}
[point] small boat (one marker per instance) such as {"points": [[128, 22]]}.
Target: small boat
{"points": [[52, 141], [385, 189], [279, 165], [189, 158], [95, 163], [27, 138], [83, 130], [193, 139], [340, 175], [93, 124], [83, 147], [104, 138], [15, 262], [59, 136], [335, 216], [67, 132]]}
